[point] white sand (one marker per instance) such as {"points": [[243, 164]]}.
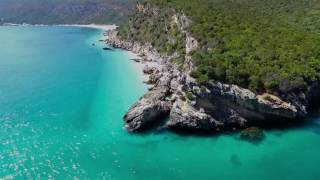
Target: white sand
{"points": [[105, 27]]}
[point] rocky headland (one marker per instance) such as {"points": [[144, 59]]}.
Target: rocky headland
{"points": [[180, 103], [214, 108]]}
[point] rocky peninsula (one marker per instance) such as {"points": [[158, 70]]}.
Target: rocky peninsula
{"points": [[214, 108], [177, 102]]}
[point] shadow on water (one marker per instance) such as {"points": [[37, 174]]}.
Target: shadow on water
{"points": [[157, 127], [313, 123], [81, 118], [235, 160]]}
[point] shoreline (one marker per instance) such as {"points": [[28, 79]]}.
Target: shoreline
{"points": [[104, 27], [23, 24], [132, 56], [140, 61], [138, 67]]}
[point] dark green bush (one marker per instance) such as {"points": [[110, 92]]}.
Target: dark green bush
{"points": [[189, 96]]}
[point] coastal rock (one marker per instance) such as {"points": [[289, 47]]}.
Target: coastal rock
{"points": [[154, 78], [185, 117], [248, 105], [148, 70], [150, 109]]}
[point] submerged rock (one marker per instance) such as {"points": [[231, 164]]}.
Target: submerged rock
{"points": [[252, 134], [235, 160], [136, 60], [107, 49]]}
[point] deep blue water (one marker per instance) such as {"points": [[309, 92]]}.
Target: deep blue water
{"points": [[61, 107]]}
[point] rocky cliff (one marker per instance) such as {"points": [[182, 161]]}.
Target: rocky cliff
{"points": [[190, 106]]}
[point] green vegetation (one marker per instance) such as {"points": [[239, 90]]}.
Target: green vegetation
{"points": [[65, 11], [264, 45], [156, 28], [189, 96]]}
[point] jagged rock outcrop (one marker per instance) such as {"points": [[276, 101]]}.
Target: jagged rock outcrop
{"points": [[151, 107], [147, 111], [148, 70], [248, 104], [185, 117]]}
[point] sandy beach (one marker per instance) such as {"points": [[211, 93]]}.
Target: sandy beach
{"points": [[105, 27]]}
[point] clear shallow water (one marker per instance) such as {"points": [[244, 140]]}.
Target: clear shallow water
{"points": [[61, 107]]}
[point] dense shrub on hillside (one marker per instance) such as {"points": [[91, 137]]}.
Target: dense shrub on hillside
{"points": [[269, 45], [65, 11], [156, 29]]}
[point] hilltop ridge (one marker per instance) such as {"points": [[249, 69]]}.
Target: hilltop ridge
{"points": [[65, 11]]}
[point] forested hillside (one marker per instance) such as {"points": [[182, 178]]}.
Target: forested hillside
{"points": [[64, 11], [264, 45]]}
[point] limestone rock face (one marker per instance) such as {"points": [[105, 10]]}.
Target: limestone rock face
{"points": [[250, 105], [149, 109], [191, 44], [185, 117], [153, 106]]}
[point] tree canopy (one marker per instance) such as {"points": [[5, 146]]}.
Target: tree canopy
{"points": [[264, 45]]}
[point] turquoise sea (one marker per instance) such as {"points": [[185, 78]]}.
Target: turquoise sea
{"points": [[61, 106]]}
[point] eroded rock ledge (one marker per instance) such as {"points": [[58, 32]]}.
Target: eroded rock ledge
{"points": [[213, 108]]}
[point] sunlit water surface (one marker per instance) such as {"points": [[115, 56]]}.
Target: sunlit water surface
{"points": [[61, 106]]}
